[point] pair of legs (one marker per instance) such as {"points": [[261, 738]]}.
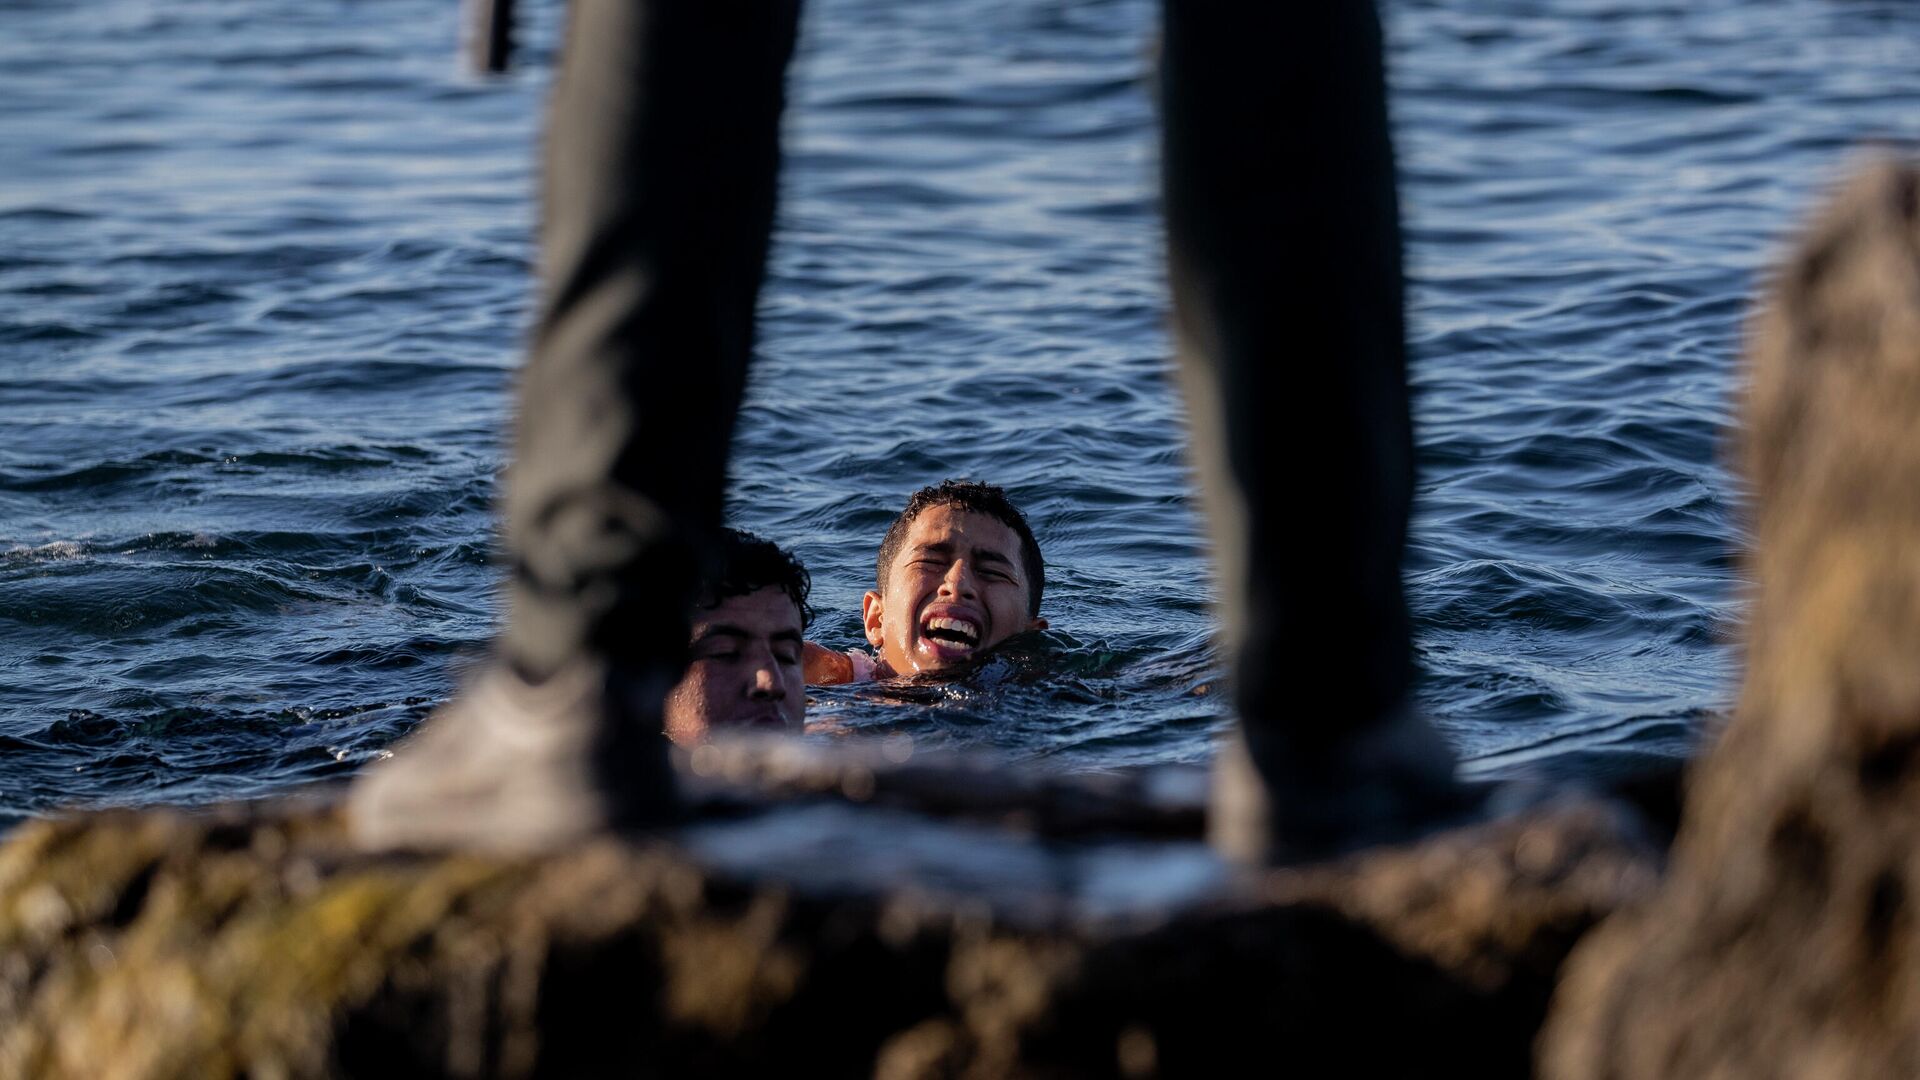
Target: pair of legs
{"points": [[1284, 254]]}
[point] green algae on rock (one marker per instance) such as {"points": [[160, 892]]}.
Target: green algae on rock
{"points": [[255, 941]]}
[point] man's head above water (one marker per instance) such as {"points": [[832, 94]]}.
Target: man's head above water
{"points": [[743, 661], [958, 573]]}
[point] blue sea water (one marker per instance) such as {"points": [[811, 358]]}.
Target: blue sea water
{"points": [[264, 276]]}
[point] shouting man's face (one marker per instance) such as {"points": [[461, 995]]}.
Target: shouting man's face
{"points": [[743, 669], [956, 588]]}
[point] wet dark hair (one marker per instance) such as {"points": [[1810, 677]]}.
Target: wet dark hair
{"points": [[979, 499], [742, 563]]}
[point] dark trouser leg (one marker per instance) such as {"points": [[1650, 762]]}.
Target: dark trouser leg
{"points": [[1284, 256], [662, 157], [661, 161]]}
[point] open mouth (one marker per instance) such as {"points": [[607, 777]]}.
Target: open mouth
{"points": [[951, 635]]}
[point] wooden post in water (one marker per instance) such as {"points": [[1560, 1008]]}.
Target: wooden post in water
{"points": [[489, 35]]}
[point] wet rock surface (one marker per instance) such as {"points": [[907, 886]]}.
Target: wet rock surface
{"points": [[256, 941], [1785, 941]]}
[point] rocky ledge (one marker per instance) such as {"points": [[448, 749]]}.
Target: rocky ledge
{"points": [[847, 932], [1786, 940]]}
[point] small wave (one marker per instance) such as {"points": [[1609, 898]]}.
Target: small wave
{"points": [[114, 600], [101, 474], [362, 377], [53, 550], [363, 84], [284, 256], [110, 148], [1544, 598], [1665, 736], [172, 302], [46, 333], [37, 215], [193, 754]]}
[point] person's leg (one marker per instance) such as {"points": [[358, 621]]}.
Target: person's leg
{"points": [[662, 155], [657, 202], [1284, 259]]}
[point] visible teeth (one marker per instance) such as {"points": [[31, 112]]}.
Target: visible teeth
{"points": [[957, 626]]}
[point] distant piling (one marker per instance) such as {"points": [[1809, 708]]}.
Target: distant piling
{"points": [[489, 35]]}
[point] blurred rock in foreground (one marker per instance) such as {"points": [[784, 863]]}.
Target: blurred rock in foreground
{"points": [[1786, 941], [810, 934]]}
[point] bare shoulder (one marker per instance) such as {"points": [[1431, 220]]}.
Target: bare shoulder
{"points": [[824, 666]]}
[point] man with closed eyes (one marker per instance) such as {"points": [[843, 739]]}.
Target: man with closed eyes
{"points": [[743, 660]]}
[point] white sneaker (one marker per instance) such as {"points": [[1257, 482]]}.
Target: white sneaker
{"points": [[510, 766]]}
